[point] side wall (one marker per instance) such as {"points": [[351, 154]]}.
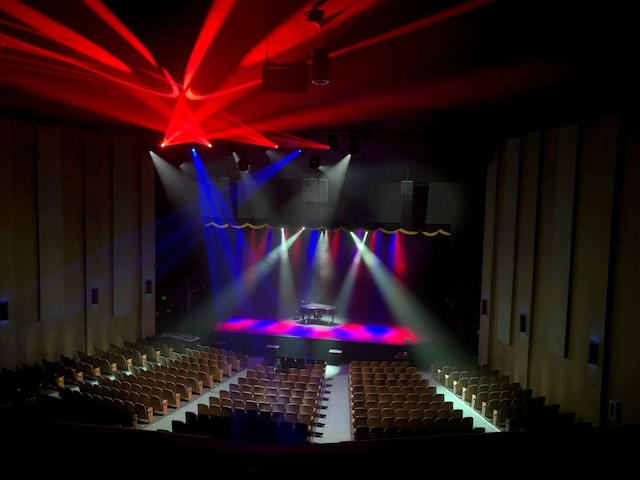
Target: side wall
{"points": [[78, 241], [565, 205]]}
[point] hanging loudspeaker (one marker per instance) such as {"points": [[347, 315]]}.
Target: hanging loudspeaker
{"points": [[320, 66], [413, 204]]}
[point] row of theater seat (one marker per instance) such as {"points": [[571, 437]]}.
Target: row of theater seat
{"points": [[156, 386], [242, 426], [130, 384], [504, 403], [262, 407], [393, 399]]}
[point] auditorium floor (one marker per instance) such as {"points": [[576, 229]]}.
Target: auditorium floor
{"points": [[334, 424]]}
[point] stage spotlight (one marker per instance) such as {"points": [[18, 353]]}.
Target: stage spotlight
{"points": [[314, 161], [243, 165], [314, 15]]}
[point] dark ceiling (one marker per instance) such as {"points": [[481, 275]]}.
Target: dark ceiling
{"points": [[413, 66]]}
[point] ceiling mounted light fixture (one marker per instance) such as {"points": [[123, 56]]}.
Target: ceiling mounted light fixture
{"points": [[241, 162], [315, 14], [243, 165]]}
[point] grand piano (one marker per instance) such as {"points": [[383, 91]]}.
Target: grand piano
{"points": [[315, 311]]}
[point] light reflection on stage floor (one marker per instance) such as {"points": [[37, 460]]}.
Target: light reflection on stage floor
{"points": [[321, 329]]}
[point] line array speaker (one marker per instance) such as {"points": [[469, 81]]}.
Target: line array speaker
{"points": [[413, 204]]}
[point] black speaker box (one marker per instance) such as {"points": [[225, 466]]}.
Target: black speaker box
{"points": [[320, 66], [285, 78], [413, 205]]}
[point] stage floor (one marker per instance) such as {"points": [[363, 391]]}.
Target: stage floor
{"points": [[316, 338], [321, 329]]}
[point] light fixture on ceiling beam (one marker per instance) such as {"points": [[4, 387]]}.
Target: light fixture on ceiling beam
{"points": [[314, 15], [242, 163]]}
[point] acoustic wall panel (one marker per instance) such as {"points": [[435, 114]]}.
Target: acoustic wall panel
{"points": [[524, 277], [147, 242], [506, 240], [125, 229], [487, 263], [51, 224], [561, 247]]}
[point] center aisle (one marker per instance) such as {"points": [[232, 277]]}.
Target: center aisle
{"points": [[336, 417]]}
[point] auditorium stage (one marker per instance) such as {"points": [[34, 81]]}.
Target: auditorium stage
{"points": [[320, 329], [312, 337], [338, 342]]}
